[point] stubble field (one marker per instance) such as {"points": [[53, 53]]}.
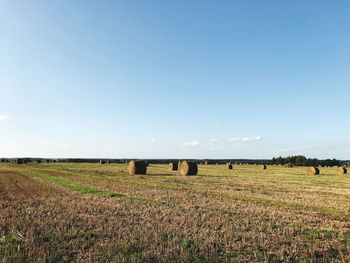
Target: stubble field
{"points": [[64, 212]]}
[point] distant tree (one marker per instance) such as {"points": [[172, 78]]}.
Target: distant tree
{"points": [[280, 160], [300, 160]]}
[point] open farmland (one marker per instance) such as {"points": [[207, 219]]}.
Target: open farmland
{"points": [[55, 212]]}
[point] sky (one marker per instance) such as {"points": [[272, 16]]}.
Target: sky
{"points": [[174, 79]]}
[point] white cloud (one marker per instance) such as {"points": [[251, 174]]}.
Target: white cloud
{"points": [[246, 139], [191, 144], [153, 140], [3, 117], [214, 140]]}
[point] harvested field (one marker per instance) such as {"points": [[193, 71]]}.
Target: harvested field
{"points": [[99, 213]]}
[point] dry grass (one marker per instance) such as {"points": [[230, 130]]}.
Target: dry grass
{"points": [[93, 213]]}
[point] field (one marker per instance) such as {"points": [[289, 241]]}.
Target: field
{"points": [[63, 212]]}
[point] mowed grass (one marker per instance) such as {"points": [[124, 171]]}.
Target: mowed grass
{"points": [[81, 188], [100, 213]]}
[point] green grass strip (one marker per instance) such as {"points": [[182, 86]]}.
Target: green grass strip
{"points": [[112, 178], [83, 188]]}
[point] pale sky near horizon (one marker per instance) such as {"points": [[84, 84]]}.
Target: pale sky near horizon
{"points": [[174, 79]]}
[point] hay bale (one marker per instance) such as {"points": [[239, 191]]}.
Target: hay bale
{"points": [[289, 165], [108, 162], [188, 168], [313, 170], [19, 161], [263, 167], [229, 166], [342, 170], [137, 167], [102, 162], [173, 166]]}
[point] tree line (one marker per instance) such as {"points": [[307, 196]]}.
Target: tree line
{"points": [[300, 160]]}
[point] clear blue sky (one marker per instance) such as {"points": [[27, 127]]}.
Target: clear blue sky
{"points": [[175, 79]]}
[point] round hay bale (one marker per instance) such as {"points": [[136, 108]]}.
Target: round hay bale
{"points": [[229, 166], [342, 170], [263, 167], [289, 165], [137, 167], [173, 166], [313, 170], [102, 162], [19, 161], [188, 168]]}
